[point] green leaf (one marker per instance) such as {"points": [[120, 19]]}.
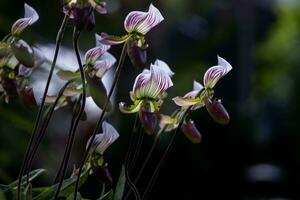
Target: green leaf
{"points": [[120, 185], [28, 192], [108, 196], [23, 52], [97, 91], [71, 197], [67, 75], [32, 175]]}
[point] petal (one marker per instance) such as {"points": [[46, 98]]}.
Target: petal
{"points": [[142, 22], [164, 66], [24, 71], [112, 39], [30, 18], [99, 6], [186, 101], [213, 74], [197, 86], [93, 54], [106, 61], [151, 83], [130, 109]]}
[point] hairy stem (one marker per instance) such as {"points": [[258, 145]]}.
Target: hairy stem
{"points": [[37, 121], [81, 110], [115, 81]]}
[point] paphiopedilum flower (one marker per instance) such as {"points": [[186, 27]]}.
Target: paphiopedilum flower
{"points": [[137, 24], [149, 88], [82, 12], [104, 140], [196, 97], [98, 60], [30, 18]]}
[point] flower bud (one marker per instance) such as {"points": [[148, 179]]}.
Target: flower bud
{"points": [[27, 97], [217, 111], [102, 174], [149, 121], [84, 18], [137, 53], [191, 132]]}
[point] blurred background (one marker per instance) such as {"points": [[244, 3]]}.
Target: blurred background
{"points": [[255, 157]]}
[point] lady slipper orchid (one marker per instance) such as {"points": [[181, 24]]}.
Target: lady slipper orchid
{"points": [[30, 18], [137, 24], [104, 140], [98, 59], [196, 97], [149, 88]]}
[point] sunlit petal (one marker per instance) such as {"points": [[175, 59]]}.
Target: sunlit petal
{"points": [[93, 54], [130, 109], [30, 18], [106, 61], [213, 74], [142, 22], [164, 66], [112, 39]]}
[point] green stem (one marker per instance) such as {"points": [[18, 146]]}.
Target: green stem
{"points": [[36, 125], [81, 110], [115, 81]]}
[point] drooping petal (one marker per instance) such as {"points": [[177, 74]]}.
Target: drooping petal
{"points": [[99, 7], [104, 140], [142, 22], [112, 39], [164, 66], [93, 54], [106, 61], [197, 86], [151, 83], [130, 109], [213, 74], [30, 18]]}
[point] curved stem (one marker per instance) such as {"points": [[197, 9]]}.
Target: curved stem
{"points": [[140, 137], [81, 110], [44, 128], [164, 157], [115, 81], [28, 150]]}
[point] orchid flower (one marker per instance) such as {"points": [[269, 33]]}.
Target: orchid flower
{"points": [[98, 59], [149, 88], [30, 18], [211, 77], [137, 24], [104, 140]]}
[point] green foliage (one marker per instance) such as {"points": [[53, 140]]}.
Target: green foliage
{"points": [[120, 185]]}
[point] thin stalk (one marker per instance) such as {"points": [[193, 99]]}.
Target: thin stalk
{"points": [[44, 128], [68, 141], [115, 81], [37, 121], [81, 110], [140, 136], [164, 157], [127, 161]]}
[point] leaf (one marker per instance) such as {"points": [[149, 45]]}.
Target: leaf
{"points": [[67, 75], [71, 197], [32, 175], [23, 52], [28, 192], [97, 91], [120, 185], [108, 196]]}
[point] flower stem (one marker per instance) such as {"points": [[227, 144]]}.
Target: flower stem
{"points": [[76, 36], [164, 157], [115, 81], [43, 129], [37, 121]]}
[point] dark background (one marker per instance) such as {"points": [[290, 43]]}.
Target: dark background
{"points": [[255, 157]]}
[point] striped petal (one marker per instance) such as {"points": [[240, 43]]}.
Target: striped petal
{"points": [[142, 22], [151, 83], [106, 61], [213, 74], [30, 18], [93, 54], [104, 140], [164, 66], [130, 109]]}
